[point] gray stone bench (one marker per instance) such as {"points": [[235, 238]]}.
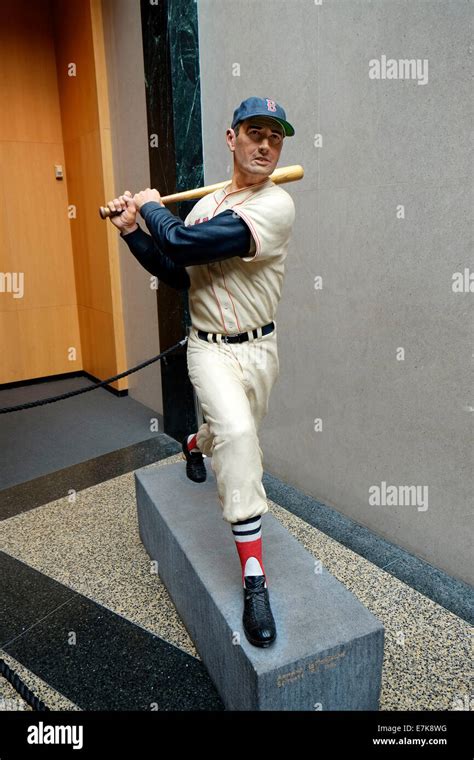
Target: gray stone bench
{"points": [[329, 648]]}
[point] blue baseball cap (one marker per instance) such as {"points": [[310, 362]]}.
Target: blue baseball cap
{"points": [[262, 107]]}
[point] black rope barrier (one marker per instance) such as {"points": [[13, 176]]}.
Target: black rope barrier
{"points": [[100, 384], [21, 688]]}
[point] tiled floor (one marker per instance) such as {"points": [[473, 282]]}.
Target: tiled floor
{"points": [[94, 628]]}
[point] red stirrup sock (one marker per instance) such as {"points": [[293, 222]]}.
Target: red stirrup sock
{"points": [[192, 443], [248, 540]]}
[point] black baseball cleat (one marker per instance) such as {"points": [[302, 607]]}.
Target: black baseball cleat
{"points": [[195, 467], [259, 624]]}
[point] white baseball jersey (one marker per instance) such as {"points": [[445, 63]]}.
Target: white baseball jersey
{"points": [[238, 294]]}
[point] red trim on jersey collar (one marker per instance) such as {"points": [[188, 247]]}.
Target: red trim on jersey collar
{"points": [[224, 194], [256, 186]]}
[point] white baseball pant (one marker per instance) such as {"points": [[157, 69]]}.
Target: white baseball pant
{"points": [[233, 382]]}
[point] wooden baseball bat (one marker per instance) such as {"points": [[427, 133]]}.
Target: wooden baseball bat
{"points": [[285, 174]]}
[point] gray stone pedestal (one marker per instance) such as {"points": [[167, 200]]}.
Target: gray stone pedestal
{"points": [[329, 648]]}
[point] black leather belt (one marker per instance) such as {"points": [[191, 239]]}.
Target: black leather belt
{"points": [[240, 337]]}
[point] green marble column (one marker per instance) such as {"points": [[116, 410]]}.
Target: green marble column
{"points": [[173, 96], [184, 55]]}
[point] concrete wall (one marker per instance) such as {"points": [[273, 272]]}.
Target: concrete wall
{"points": [[125, 67], [381, 353]]}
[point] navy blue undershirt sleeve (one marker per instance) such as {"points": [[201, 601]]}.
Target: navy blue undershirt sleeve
{"points": [[222, 237], [149, 256]]}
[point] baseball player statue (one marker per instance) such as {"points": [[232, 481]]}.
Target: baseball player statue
{"points": [[230, 253]]}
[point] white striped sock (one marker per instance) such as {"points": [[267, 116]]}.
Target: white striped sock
{"points": [[248, 530]]}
